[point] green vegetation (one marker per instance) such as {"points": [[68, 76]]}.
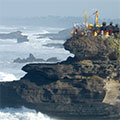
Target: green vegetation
{"points": [[115, 44]]}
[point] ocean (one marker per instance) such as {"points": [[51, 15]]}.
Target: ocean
{"points": [[9, 71]]}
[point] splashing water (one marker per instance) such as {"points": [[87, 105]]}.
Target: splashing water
{"points": [[22, 114], [5, 77]]}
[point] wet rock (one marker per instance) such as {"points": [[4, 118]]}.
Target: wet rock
{"points": [[31, 58]]}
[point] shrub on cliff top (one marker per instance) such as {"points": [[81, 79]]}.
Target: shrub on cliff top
{"points": [[115, 44]]}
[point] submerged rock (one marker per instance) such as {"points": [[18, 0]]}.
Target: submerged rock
{"points": [[14, 35]]}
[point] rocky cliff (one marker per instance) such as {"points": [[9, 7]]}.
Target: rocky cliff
{"points": [[90, 47], [79, 87]]}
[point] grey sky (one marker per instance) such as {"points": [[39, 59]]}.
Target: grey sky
{"points": [[33, 8]]}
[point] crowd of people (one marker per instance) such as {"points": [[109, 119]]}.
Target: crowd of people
{"points": [[103, 30]]}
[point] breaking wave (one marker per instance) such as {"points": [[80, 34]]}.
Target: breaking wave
{"points": [[5, 77], [22, 114]]}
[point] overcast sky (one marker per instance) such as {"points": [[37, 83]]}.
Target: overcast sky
{"points": [[34, 8]]}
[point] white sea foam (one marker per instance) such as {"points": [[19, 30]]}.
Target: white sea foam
{"points": [[10, 50], [8, 41], [22, 114], [5, 77]]}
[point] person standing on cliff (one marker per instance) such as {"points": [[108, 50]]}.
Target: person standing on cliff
{"points": [[110, 28], [116, 31], [103, 29]]}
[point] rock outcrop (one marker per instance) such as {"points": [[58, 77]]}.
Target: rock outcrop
{"points": [[15, 35], [76, 87], [90, 47], [31, 58]]}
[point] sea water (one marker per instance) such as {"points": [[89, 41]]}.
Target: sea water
{"points": [[10, 49], [9, 71]]}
